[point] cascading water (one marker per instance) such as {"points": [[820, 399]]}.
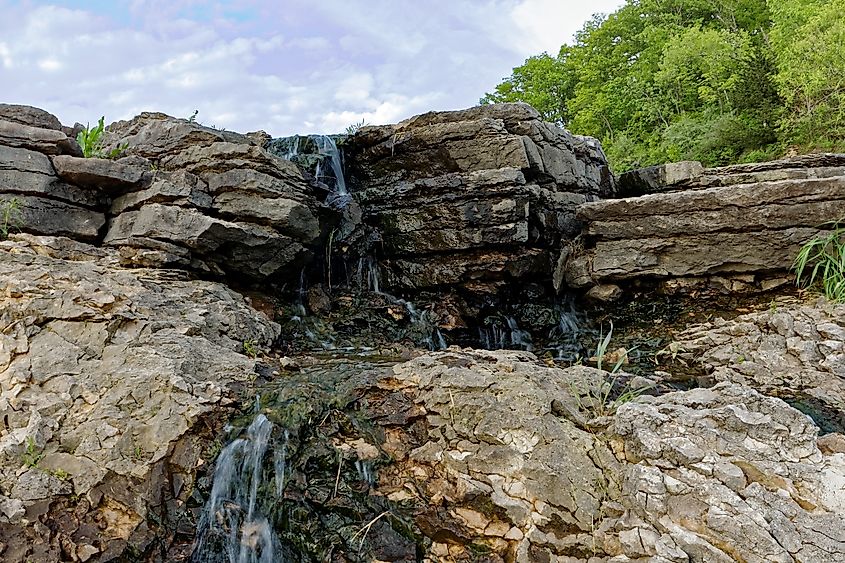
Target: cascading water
{"points": [[232, 528], [327, 147], [319, 154], [500, 336]]}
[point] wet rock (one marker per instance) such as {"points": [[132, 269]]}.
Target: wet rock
{"points": [[493, 452], [107, 378]]}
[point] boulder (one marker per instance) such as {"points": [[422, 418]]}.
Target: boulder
{"points": [[108, 379], [208, 200], [29, 116], [112, 176]]}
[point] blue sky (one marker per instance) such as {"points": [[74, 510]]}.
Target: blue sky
{"points": [[284, 66]]}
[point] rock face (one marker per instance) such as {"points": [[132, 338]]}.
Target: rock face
{"points": [[108, 380], [187, 196], [492, 453], [736, 228], [472, 198], [796, 351]]}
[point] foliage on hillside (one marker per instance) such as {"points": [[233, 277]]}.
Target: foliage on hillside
{"points": [[720, 81]]}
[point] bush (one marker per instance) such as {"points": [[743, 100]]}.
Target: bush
{"points": [[10, 217]]}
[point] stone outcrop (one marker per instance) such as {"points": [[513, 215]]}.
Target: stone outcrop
{"points": [[184, 196], [494, 453], [737, 228], [464, 190], [796, 351], [110, 380]]}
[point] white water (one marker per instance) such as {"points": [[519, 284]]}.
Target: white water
{"points": [[508, 336], [328, 147], [232, 528]]}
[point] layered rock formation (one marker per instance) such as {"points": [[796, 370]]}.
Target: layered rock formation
{"points": [[186, 196], [110, 380], [472, 198], [734, 228]]}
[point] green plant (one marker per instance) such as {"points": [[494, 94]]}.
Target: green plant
{"points": [[251, 348], [824, 258], [193, 117], [31, 456], [355, 127], [91, 141], [10, 217], [60, 474]]}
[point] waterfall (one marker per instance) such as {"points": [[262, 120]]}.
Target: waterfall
{"points": [[231, 528], [508, 336], [328, 148]]}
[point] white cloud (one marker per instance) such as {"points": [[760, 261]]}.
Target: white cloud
{"points": [[298, 66]]}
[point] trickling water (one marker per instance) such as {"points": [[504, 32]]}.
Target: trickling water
{"points": [[507, 336], [369, 275], [328, 147], [231, 528]]}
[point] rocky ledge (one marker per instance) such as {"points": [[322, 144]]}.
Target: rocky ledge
{"points": [[181, 196], [111, 383], [728, 229]]}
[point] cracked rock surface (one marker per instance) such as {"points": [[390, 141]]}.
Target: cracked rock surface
{"points": [[106, 377]]}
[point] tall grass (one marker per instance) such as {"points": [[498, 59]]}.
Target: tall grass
{"points": [[821, 262]]}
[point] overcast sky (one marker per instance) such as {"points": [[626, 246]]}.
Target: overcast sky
{"points": [[285, 66]]}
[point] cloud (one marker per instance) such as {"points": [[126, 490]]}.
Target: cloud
{"points": [[292, 67]]}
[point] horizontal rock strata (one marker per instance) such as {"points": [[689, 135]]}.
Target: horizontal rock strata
{"points": [[455, 188], [745, 230]]}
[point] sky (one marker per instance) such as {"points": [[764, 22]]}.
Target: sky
{"points": [[283, 66]]}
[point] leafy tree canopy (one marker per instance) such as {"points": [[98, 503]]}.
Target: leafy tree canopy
{"points": [[720, 81]]}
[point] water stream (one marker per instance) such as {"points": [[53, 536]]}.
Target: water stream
{"points": [[233, 528]]}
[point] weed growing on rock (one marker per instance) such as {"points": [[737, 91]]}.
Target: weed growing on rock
{"points": [[250, 348], [824, 258], [91, 141], [31, 456], [10, 217]]}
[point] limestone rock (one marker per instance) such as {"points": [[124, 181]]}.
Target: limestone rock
{"points": [[29, 116], [114, 176], [796, 351], [46, 141], [107, 377], [726, 231], [465, 185]]}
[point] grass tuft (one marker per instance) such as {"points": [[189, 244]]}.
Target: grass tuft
{"points": [[821, 262]]}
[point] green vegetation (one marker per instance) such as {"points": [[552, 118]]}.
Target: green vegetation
{"points": [[821, 261], [251, 348], [355, 127], [10, 217], [719, 81], [31, 456], [91, 141]]}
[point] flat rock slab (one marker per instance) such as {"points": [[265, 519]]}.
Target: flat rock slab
{"points": [[46, 141], [99, 173], [44, 216]]}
